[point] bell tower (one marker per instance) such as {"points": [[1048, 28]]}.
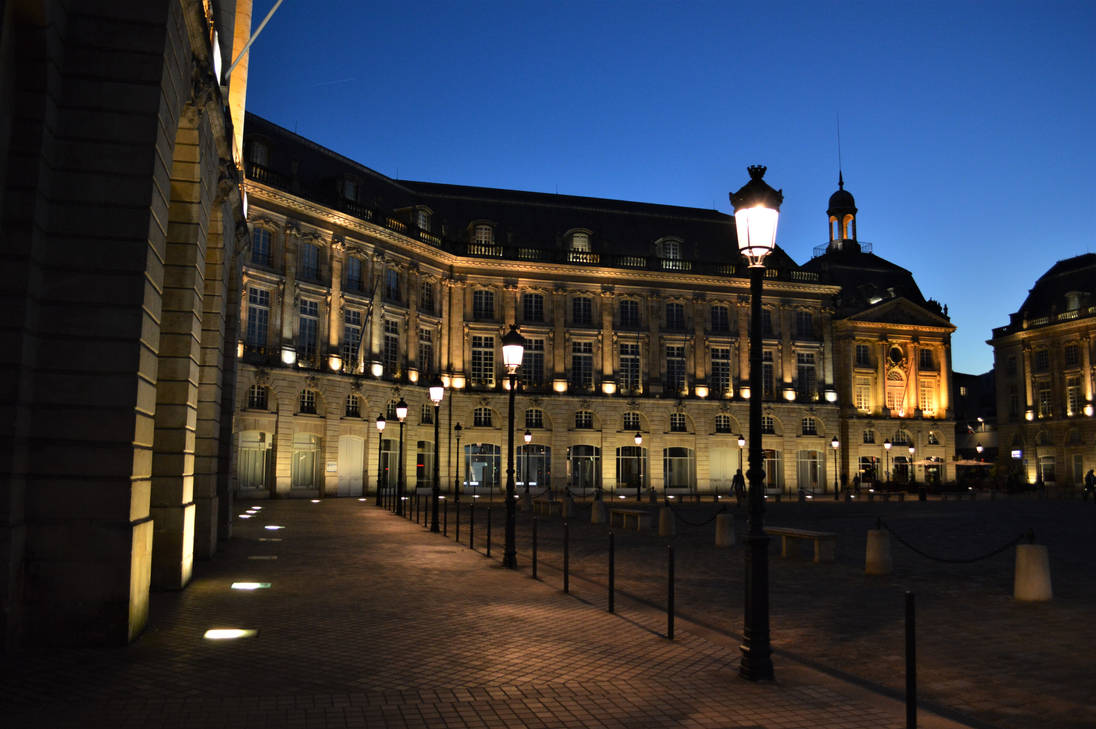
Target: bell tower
{"points": [[842, 213]]}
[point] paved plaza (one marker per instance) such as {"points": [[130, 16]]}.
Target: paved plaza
{"points": [[372, 621]]}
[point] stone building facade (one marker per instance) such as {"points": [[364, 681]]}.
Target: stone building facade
{"points": [[360, 290], [1044, 360], [122, 212]]}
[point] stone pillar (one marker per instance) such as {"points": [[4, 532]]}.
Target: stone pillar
{"points": [[335, 309], [697, 347], [559, 343], [607, 340], [289, 292], [1086, 364], [1028, 398], [656, 361]]}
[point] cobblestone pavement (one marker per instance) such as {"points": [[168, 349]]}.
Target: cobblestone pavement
{"points": [[982, 656], [371, 621]]}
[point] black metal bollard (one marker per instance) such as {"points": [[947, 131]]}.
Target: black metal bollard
{"points": [[534, 547], [472, 525], [670, 592], [612, 573], [911, 665], [445, 519], [488, 531], [566, 558], [456, 508]]}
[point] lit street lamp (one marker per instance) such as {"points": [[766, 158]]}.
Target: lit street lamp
{"points": [[401, 415], [756, 210], [913, 474], [380, 454], [513, 349], [525, 476], [835, 444], [457, 429], [437, 392], [741, 444], [639, 466], [886, 452]]}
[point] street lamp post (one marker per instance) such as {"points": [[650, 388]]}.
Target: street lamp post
{"points": [[639, 466], [401, 415], [835, 444], [756, 210], [913, 474], [380, 454], [886, 453], [525, 475], [513, 348], [456, 474], [437, 392]]}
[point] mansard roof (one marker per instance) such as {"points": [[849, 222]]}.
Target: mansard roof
{"points": [[520, 218], [1068, 284]]}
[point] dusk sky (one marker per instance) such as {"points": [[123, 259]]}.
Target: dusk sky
{"points": [[967, 129]]}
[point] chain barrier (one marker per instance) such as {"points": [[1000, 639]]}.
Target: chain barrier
{"points": [[706, 522], [1029, 535]]}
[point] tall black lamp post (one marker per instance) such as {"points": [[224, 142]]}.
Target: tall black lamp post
{"points": [[756, 210], [835, 444], [401, 415], [457, 430], [380, 455], [528, 437], [886, 453], [913, 474], [639, 464], [513, 349], [437, 392]]}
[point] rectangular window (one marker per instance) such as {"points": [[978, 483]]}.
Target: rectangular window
{"points": [[426, 298], [768, 426], [256, 397], [1010, 365], [629, 313], [863, 355], [678, 423], [481, 417], [1013, 401], [352, 336], [582, 311], [483, 305], [804, 325], [721, 371], [1045, 408], [862, 394], [869, 436], [631, 421], [426, 414], [308, 402], [392, 284], [1071, 355], [310, 262], [534, 418], [532, 307], [258, 318], [810, 426], [767, 375], [426, 352], [584, 419], [928, 397], [767, 323], [260, 247], [1073, 396], [484, 234], [582, 366], [531, 371], [925, 360], [391, 352], [483, 361], [629, 367], [675, 368], [308, 324], [1042, 360], [721, 320], [354, 280], [353, 406], [675, 316], [806, 375]]}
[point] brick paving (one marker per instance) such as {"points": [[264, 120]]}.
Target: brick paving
{"points": [[371, 621]]}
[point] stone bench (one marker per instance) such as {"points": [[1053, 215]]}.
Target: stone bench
{"points": [[639, 518], [825, 543], [544, 507]]}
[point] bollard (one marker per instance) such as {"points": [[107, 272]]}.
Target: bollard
{"points": [[612, 573], [534, 547], [445, 519], [724, 530], [911, 665], [569, 507], [670, 592], [488, 531], [598, 513], [456, 525], [878, 561], [666, 525], [566, 558], [472, 525], [1032, 576]]}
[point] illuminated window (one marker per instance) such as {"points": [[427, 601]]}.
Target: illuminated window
{"points": [[1045, 409], [484, 234], [925, 359], [631, 421], [677, 423], [723, 423], [863, 355], [933, 438], [481, 417], [629, 367], [902, 437], [1073, 396], [671, 249], [426, 414], [721, 371], [483, 361], [896, 390], [584, 419], [928, 397], [353, 406], [862, 394], [422, 219]]}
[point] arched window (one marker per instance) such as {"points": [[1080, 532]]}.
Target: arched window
{"points": [[902, 437], [896, 391], [305, 461], [678, 424], [631, 421], [584, 419], [584, 462], [482, 466]]}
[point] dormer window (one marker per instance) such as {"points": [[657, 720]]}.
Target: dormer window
{"points": [[259, 153], [580, 242], [350, 190], [483, 234], [422, 219], [670, 249], [579, 249]]}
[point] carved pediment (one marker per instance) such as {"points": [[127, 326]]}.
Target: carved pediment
{"points": [[900, 311]]}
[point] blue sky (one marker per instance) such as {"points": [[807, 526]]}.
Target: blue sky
{"points": [[968, 129]]}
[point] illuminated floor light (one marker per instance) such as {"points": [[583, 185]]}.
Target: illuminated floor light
{"points": [[272, 527], [250, 585], [244, 516], [361, 499], [257, 508], [315, 501], [263, 556], [229, 633]]}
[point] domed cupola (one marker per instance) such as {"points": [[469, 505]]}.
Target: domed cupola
{"points": [[842, 212]]}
